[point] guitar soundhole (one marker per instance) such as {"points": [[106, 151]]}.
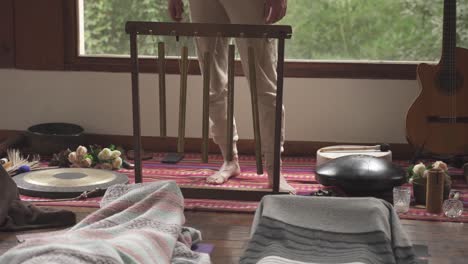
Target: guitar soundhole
{"points": [[446, 84]]}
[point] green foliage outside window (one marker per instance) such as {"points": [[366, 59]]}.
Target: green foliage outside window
{"points": [[396, 30], [104, 27]]}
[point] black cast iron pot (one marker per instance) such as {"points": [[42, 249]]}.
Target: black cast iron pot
{"points": [[50, 138]]}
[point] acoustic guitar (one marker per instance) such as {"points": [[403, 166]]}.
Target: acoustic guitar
{"points": [[437, 121]]}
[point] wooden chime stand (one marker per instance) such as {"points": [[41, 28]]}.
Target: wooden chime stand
{"points": [[279, 32]]}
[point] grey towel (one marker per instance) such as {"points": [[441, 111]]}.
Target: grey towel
{"points": [[297, 229], [16, 215]]}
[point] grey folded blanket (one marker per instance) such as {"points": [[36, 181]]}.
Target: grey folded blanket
{"points": [[295, 229]]}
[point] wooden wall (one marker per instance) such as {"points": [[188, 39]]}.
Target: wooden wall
{"points": [[39, 34], [32, 34], [7, 44]]}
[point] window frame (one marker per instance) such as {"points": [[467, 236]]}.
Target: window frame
{"points": [[296, 69]]}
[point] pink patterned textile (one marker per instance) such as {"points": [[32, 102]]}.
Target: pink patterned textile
{"points": [[299, 171], [136, 224]]}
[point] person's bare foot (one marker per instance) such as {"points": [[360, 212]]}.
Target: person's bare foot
{"points": [[228, 170], [284, 185]]}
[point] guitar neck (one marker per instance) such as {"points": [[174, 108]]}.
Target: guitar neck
{"points": [[449, 41]]}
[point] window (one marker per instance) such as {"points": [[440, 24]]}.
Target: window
{"points": [[102, 27], [376, 30], [330, 30]]}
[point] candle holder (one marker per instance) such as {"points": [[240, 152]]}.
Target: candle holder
{"points": [[401, 199], [453, 207]]}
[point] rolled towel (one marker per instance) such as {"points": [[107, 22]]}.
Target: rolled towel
{"points": [[17, 215]]}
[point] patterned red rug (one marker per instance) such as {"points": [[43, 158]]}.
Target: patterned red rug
{"points": [[299, 171]]}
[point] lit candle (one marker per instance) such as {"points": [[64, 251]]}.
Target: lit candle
{"points": [[401, 207]]}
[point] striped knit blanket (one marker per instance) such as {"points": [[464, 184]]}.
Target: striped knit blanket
{"points": [[137, 223], [298, 230]]}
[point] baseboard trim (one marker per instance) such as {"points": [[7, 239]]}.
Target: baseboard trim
{"points": [[245, 146]]}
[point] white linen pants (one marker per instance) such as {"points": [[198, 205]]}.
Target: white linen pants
{"points": [[238, 12]]}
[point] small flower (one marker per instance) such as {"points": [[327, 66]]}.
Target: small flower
{"points": [[72, 157], [115, 154], [440, 165], [117, 163], [86, 163], [81, 151], [105, 154], [419, 169], [411, 180]]}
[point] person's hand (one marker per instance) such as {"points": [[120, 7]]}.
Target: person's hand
{"points": [[176, 9], [275, 10]]}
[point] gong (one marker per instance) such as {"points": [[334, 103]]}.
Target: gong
{"points": [[66, 182]]}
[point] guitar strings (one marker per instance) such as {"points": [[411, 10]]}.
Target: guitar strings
{"points": [[452, 64]]}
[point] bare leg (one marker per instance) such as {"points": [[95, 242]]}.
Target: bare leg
{"points": [[218, 86], [240, 12], [252, 12], [228, 169]]}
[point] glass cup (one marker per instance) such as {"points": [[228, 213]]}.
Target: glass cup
{"points": [[401, 199], [453, 207]]}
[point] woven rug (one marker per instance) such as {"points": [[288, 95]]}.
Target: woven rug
{"points": [[299, 171]]}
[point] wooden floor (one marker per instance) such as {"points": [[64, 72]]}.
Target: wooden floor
{"points": [[229, 232]]}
